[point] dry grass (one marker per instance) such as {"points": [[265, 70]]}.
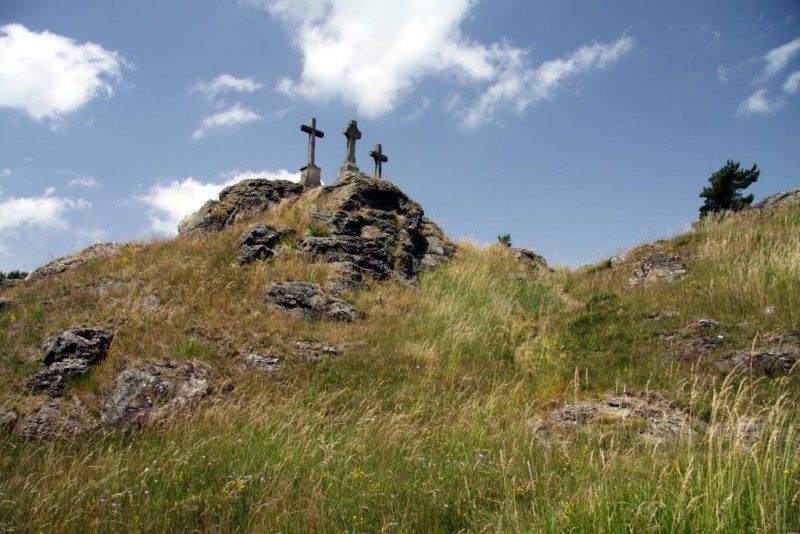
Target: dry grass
{"points": [[424, 425]]}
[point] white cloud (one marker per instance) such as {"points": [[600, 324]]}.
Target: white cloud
{"points": [[226, 82], [519, 87], [371, 54], [84, 181], [49, 76], [5, 172], [758, 103], [236, 114], [46, 212], [792, 84], [172, 202], [778, 58]]}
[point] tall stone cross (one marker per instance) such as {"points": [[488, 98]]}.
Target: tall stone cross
{"points": [[380, 158], [311, 175], [353, 134]]}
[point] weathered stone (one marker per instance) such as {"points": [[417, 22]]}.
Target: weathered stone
{"points": [[580, 413], [661, 267], [771, 362], [53, 379], [367, 254], [352, 134], [380, 158], [56, 418], [8, 283], [252, 253], [8, 420], [91, 344], [154, 391], [791, 196], [260, 362], [71, 261], [314, 351], [151, 303], [238, 203], [307, 300], [311, 175], [529, 259]]}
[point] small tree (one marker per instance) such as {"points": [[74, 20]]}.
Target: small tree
{"points": [[504, 240], [724, 195]]}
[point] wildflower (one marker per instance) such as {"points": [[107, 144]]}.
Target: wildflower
{"points": [[787, 471], [446, 506], [146, 470], [147, 492], [114, 505]]}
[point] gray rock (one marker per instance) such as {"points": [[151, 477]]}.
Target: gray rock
{"points": [[260, 362], [314, 351], [91, 344], [8, 283], [248, 254], [56, 419], [529, 259], [258, 242], [307, 300], [53, 379], [580, 413], [151, 303], [72, 261], [153, 392], [8, 420], [661, 267], [771, 362], [779, 199], [238, 203]]}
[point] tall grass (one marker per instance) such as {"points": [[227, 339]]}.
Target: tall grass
{"points": [[426, 423]]}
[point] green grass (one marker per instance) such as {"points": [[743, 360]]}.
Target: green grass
{"points": [[425, 424]]}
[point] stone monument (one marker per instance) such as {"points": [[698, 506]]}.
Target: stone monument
{"points": [[311, 175], [352, 134], [380, 158]]}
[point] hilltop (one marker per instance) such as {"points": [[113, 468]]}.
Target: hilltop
{"points": [[326, 359]]}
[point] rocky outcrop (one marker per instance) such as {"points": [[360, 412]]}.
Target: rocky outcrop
{"points": [[657, 419], [72, 261], [54, 419], [661, 267], [238, 203], [90, 344], [259, 242], [68, 355], [7, 304], [529, 259], [308, 301], [791, 196], [370, 227], [154, 391]]}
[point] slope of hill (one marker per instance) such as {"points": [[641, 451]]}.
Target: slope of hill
{"points": [[472, 391]]}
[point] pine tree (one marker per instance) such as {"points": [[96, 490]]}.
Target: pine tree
{"points": [[724, 193]]}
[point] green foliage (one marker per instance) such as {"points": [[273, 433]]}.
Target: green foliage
{"points": [[504, 240], [723, 194], [319, 231], [13, 275]]}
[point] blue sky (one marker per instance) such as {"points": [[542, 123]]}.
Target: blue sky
{"points": [[579, 127]]}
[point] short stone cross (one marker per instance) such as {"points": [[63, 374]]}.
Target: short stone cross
{"points": [[310, 175], [380, 158], [353, 134]]}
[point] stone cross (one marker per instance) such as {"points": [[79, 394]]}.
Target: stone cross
{"points": [[310, 175], [380, 158], [353, 134]]}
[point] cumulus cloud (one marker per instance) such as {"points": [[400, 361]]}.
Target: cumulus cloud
{"points": [[5, 172], [46, 212], [758, 104], [792, 83], [49, 76], [236, 114], [172, 202], [84, 181], [372, 54], [778, 58], [224, 83]]}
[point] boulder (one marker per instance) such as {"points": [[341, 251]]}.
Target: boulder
{"points": [[154, 391], [529, 259], [791, 196], [661, 267], [53, 379], [56, 419], [307, 300], [262, 362], [238, 203], [90, 344], [8, 420], [71, 261], [7, 304]]}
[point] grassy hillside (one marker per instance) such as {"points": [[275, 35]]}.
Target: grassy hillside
{"points": [[429, 420]]}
